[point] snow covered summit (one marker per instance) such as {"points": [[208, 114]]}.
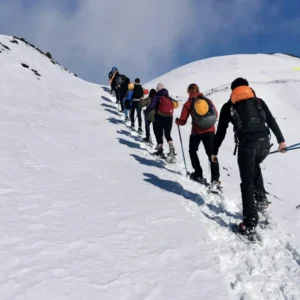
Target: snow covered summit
{"points": [[87, 213]]}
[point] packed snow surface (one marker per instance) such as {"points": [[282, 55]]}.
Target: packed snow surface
{"points": [[87, 213]]}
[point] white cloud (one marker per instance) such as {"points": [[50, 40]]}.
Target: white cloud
{"points": [[140, 37]]}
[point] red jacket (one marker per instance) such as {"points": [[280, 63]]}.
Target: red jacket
{"points": [[186, 111]]}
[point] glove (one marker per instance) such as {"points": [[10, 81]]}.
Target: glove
{"points": [[177, 121]]}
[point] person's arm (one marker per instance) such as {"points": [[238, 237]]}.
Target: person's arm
{"points": [[224, 120], [152, 105], [272, 123], [185, 113]]}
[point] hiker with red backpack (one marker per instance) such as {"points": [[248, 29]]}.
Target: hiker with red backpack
{"points": [[162, 103], [204, 116], [252, 121]]}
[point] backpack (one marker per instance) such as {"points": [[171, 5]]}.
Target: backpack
{"points": [[138, 91], [122, 82], [247, 113], [207, 120], [165, 106]]}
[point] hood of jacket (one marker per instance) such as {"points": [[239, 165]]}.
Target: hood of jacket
{"points": [[163, 92]]}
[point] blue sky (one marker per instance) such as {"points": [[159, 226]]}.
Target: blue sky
{"points": [[146, 38]]}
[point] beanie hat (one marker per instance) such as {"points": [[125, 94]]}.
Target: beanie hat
{"points": [[137, 80], [160, 86], [239, 82]]}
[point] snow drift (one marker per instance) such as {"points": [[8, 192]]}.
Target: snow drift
{"points": [[87, 213]]}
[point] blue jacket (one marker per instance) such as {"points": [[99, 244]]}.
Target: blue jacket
{"points": [[129, 95], [155, 100]]}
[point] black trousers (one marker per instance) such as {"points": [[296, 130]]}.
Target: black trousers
{"points": [[208, 139], [147, 129], [250, 155], [120, 95], [136, 107], [163, 126]]}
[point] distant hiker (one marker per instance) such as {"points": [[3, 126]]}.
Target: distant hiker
{"points": [[111, 76], [150, 116], [127, 101], [120, 83], [138, 93], [251, 119], [204, 116], [163, 106]]}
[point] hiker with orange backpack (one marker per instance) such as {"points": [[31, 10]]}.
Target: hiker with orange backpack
{"points": [[252, 121], [162, 103], [204, 116]]}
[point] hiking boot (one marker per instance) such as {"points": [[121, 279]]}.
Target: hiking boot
{"points": [[132, 127], [198, 179], [126, 119], [140, 130], [159, 152], [246, 229], [262, 202]]}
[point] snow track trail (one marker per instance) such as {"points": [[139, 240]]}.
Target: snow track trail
{"points": [[269, 271]]}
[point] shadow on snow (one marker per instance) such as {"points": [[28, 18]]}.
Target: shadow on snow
{"points": [[114, 121], [173, 187], [129, 144], [105, 89], [108, 105], [112, 111], [106, 99]]}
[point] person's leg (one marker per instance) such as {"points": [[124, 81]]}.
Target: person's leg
{"points": [[139, 115], [154, 130], [208, 142], [195, 140], [159, 130], [147, 128], [167, 125], [133, 107], [246, 161]]}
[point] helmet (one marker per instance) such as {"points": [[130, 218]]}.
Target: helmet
{"points": [[114, 69], [130, 86], [201, 107]]}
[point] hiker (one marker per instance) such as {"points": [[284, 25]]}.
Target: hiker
{"points": [[127, 101], [111, 76], [252, 121], [162, 104], [204, 116], [149, 117], [120, 83], [138, 93]]}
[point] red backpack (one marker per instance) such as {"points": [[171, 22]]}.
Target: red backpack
{"points": [[165, 107]]}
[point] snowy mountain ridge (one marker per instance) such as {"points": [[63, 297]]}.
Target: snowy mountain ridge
{"points": [[87, 213]]}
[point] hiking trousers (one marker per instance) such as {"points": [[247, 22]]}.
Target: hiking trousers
{"points": [[120, 95], [208, 140], [136, 107], [250, 155], [147, 129], [163, 126]]}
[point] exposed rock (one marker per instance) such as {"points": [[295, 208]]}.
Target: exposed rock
{"points": [[25, 66], [48, 54]]}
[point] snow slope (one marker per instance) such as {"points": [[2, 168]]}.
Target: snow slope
{"points": [[87, 213]]}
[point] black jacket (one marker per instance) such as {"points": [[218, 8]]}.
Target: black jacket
{"points": [[225, 118]]}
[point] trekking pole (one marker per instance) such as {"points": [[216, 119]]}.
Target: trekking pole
{"points": [[187, 173], [289, 148]]}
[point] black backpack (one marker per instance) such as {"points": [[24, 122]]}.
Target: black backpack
{"points": [[205, 121], [248, 116], [138, 91], [122, 82]]}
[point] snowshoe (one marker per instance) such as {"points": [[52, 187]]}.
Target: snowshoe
{"points": [[160, 153], [147, 141], [171, 155], [195, 177], [246, 233], [140, 130], [215, 187], [132, 127]]}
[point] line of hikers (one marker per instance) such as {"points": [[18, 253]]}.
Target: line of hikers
{"points": [[251, 119]]}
